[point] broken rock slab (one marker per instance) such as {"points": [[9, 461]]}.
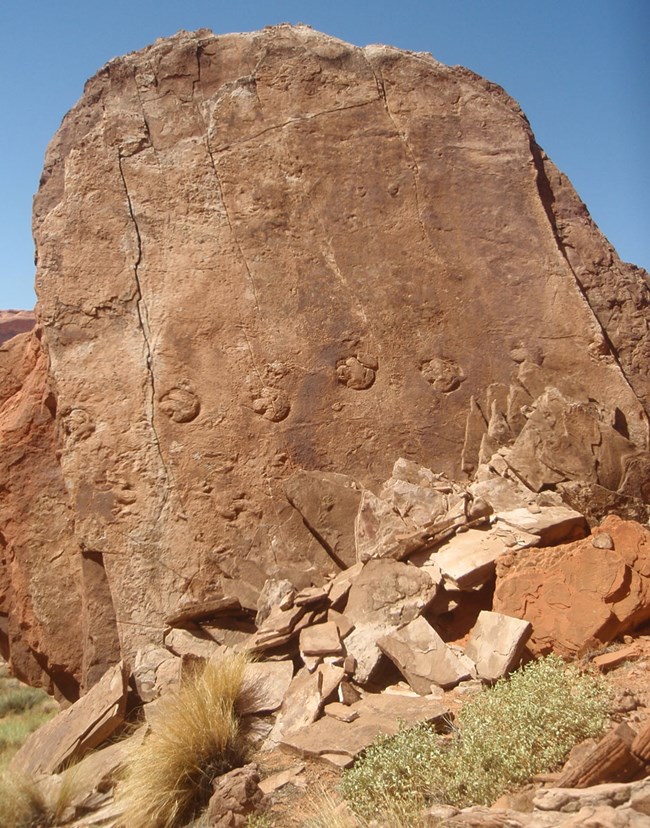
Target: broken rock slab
{"points": [[321, 640], [264, 687], [386, 595], [568, 439], [194, 643], [339, 742], [424, 659], [468, 559], [551, 524], [78, 729], [274, 594], [155, 671], [379, 530], [91, 778], [496, 644], [304, 700]]}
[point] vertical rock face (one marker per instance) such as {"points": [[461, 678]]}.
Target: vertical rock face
{"points": [[269, 252]]}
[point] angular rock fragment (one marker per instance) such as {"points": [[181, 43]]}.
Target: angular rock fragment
{"points": [[304, 699], [501, 492], [388, 594], [568, 439], [264, 687], [274, 594], [423, 658], [154, 672], [343, 623], [340, 711], [421, 505], [390, 591], [380, 532], [78, 729], [340, 586], [496, 644], [321, 640], [468, 559], [339, 742], [202, 610], [278, 628], [551, 524], [192, 643], [235, 796], [291, 776], [300, 707]]}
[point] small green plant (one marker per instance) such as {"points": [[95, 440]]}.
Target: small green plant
{"points": [[394, 774], [521, 726], [194, 738], [260, 820], [19, 699]]}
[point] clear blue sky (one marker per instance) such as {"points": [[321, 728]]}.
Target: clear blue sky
{"points": [[579, 68]]}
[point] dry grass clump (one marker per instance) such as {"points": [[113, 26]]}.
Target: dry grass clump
{"points": [[195, 738], [323, 810], [22, 804], [521, 726]]}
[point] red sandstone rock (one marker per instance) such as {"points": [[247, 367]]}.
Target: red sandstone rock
{"points": [[270, 252], [577, 595]]}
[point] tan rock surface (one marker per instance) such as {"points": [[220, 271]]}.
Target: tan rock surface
{"points": [[339, 742], [76, 730], [496, 644], [14, 322], [577, 595], [423, 658], [252, 252]]}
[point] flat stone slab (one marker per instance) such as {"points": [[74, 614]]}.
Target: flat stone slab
{"points": [[423, 658], [496, 644], [78, 729], [304, 700], [552, 524], [203, 610], [264, 687], [468, 560], [339, 742], [321, 640]]}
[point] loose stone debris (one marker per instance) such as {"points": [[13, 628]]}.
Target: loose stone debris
{"points": [[326, 655]]}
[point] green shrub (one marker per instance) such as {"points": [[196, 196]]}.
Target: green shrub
{"points": [[19, 699], [521, 726]]}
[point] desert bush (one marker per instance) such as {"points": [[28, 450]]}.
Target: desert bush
{"points": [[195, 738], [19, 699], [509, 732]]}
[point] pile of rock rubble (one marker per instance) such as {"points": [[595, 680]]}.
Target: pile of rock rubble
{"points": [[449, 587]]}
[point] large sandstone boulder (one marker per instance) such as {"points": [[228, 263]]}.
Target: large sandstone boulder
{"points": [[269, 252], [582, 594]]}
